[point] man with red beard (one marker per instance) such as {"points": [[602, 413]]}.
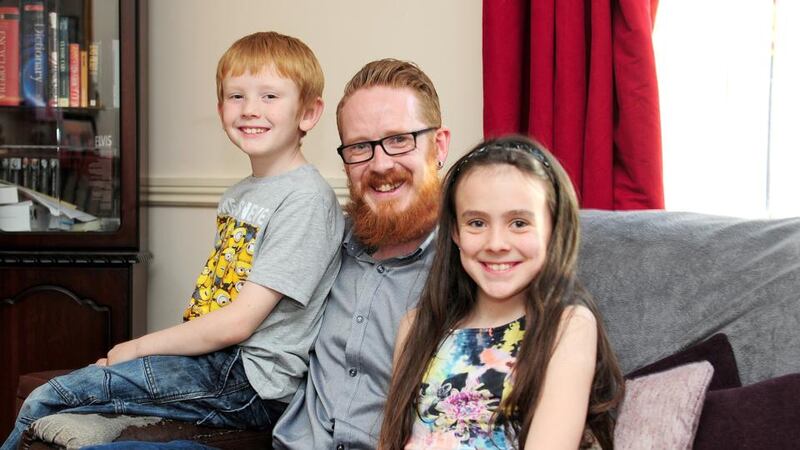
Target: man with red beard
{"points": [[393, 144]]}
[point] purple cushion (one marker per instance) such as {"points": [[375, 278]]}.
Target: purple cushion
{"points": [[716, 350], [761, 415]]}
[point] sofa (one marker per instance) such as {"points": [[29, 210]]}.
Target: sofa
{"points": [[665, 283]]}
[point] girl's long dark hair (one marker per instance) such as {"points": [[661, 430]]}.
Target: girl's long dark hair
{"points": [[449, 296]]}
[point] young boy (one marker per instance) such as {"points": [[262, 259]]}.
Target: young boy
{"points": [[242, 350]]}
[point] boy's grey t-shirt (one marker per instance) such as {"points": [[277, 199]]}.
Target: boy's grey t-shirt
{"points": [[283, 232]]}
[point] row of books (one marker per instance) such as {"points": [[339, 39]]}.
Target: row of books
{"points": [[39, 174], [44, 58], [83, 180]]}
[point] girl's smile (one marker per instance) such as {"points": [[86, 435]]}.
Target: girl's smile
{"points": [[503, 227]]}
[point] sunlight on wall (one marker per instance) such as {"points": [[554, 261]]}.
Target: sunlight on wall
{"points": [[713, 62]]}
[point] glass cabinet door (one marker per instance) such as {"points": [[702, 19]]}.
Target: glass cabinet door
{"points": [[62, 157]]}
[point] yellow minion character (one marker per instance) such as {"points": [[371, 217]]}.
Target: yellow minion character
{"points": [[247, 254], [231, 277], [207, 275], [227, 258], [221, 298], [242, 269], [237, 237]]}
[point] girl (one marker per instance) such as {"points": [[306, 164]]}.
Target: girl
{"points": [[522, 359]]}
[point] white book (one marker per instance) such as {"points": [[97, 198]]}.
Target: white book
{"points": [[16, 216], [8, 194]]}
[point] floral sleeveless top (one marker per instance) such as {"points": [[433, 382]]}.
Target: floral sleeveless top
{"points": [[463, 387]]}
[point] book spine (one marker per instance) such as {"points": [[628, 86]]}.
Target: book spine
{"points": [[115, 68], [9, 55], [63, 61], [94, 72], [34, 53], [74, 75], [84, 79], [52, 52]]}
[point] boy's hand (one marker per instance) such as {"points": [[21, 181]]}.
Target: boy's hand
{"points": [[121, 352]]}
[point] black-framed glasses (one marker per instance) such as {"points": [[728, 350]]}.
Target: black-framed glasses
{"points": [[396, 144]]}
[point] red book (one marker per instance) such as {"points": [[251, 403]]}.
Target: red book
{"points": [[74, 75], [9, 55]]}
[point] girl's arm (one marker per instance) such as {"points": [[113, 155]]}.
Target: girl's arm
{"points": [[560, 417], [222, 328]]}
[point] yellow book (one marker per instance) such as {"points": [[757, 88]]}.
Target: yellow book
{"points": [[84, 79]]}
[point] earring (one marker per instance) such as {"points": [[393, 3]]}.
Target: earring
{"points": [[439, 165]]}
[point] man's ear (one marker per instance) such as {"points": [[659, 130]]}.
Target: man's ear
{"points": [[442, 142], [311, 114]]}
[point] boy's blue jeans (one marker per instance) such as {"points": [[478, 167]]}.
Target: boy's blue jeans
{"points": [[209, 389]]}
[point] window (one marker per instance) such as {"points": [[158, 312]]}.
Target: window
{"points": [[730, 106]]}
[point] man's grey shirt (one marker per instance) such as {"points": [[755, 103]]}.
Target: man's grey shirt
{"points": [[341, 404]]}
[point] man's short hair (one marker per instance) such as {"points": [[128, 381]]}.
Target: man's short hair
{"points": [[288, 56], [397, 74]]}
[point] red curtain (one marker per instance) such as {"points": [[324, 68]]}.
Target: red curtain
{"points": [[579, 75]]}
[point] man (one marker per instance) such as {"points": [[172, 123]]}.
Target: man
{"points": [[393, 143]]}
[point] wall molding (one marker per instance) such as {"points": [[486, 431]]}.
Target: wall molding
{"points": [[203, 192]]}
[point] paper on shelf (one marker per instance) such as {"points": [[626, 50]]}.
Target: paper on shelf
{"points": [[56, 207], [16, 216]]}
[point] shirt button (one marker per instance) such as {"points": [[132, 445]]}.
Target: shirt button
{"points": [[381, 269], [359, 319], [340, 447], [353, 372]]}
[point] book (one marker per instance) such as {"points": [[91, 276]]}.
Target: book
{"points": [[115, 68], [14, 170], [33, 53], [9, 55], [74, 75], [52, 53], [8, 194], [94, 74], [16, 216], [63, 61], [84, 78]]}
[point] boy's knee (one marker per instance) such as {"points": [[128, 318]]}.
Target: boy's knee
{"points": [[39, 403], [66, 391]]}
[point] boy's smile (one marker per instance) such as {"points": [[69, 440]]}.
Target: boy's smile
{"points": [[262, 115]]}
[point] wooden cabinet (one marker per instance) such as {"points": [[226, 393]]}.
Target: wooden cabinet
{"points": [[67, 315], [71, 264]]}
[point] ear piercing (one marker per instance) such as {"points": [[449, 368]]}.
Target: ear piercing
{"points": [[439, 164]]}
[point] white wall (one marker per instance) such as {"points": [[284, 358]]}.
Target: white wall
{"points": [[190, 160]]}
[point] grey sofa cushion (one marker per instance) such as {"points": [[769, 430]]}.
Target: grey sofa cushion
{"points": [[666, 280]]}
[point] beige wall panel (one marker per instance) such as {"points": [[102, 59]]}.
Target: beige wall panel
{"points": [[190, 159]]}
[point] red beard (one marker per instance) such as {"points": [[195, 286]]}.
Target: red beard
{"points": [[386, 226]]}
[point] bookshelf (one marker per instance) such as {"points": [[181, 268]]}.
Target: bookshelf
{"points": [[72, 266]]}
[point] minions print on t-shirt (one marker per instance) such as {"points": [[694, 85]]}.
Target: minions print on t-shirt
{"points": [[227, 267]]}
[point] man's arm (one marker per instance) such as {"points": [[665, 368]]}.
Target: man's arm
{"points": [[222, 328]]}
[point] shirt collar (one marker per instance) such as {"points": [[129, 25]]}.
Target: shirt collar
{"points": [[356, 248]]}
